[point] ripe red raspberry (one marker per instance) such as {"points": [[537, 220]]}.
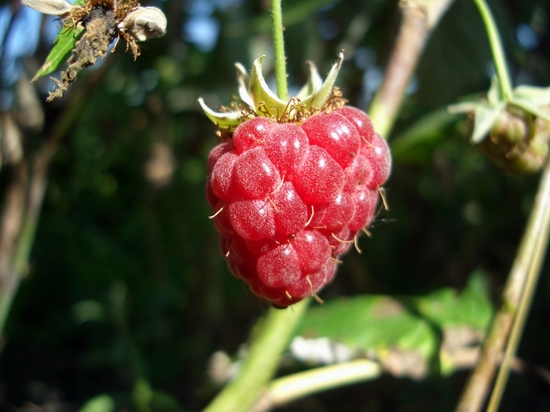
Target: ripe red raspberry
{"points": [[290, 198]]}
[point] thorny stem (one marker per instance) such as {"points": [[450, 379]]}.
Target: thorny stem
{"points": [[419, 17], [279, 49], [516, 298], [496, 48], [273, 334]]}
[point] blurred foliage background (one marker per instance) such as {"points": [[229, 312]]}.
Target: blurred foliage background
{"points": [[125, 279]]}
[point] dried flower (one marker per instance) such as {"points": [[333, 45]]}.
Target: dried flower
{"points": [[104, 21]]}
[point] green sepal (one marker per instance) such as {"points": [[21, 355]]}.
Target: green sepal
{"points": [[485, 118], [262, 95], [321, 96], [223, 120], [314, 82], [539, 96], [529, 106], [261, 101]]}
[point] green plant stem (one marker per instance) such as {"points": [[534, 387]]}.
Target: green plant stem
{"points": [[496, 47], [290, 388], [516, 299], [419, 17], [273, 336], [279, 49], [542, 205]]}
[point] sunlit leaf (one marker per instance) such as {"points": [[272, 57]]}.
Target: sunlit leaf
{"points": [[449, 307], [370, 322]]}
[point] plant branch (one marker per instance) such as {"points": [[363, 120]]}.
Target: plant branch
{"points": [[274, 333], [419, 18], [496, 47], [290, 388], [516, 296]]}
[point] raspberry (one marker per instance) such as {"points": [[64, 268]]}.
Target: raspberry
{"points": [[292, 184], [289, 199]]}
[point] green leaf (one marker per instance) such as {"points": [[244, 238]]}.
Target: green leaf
{"points": [[447, 307], [378, 323], [64, 44], [485, 117], [399, 330]]}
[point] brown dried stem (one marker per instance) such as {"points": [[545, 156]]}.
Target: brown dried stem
{"points": [[526, 269], [419, 18]]}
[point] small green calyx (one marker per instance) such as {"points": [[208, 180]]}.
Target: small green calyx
{"points": [[258, 100], [513, 132]]}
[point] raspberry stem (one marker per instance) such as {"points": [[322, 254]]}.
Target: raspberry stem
{"points": [[279, 49], [496, 48], [271, 338]]}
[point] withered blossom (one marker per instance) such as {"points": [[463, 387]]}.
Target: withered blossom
{"points": [[104, 21]]}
